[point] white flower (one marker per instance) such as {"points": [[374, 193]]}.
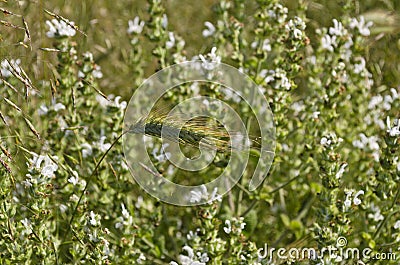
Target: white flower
{"points": [[395, 94], [58, 106], [203, 257], [94, 219], [120, 105], [43, 109], [397, 225], [74, 198], [97, 71], [198, 195], [298, 34], [213, 59], [135, 26], [376, 100], [210, 29], [74, 179], [356, 200], [140, 258], [231, 95], [111, 101], [398, 166], [49, 166], [9, 65], [328, 42], [59, 28], [395, 130], [315, 114], [63, 208], [171, 40], [28, 227], [266, 45], [387, 102], [215, 196], [201, 194], [87, 150], [298, 107], [360, 67], [337, 29], [125, 220], [228, 226], [325, 141], [162, 155], [125, 212], [139, 202], [285, 83], [93, 237], [362, 27], [164, 22], [268, 75], [366, 142], [192, 235], [103, 146], [191, 259]]}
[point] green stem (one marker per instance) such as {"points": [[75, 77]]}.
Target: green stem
{"points": [[89, 180]]}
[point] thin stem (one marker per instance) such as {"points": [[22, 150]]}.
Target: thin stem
{"points": [[89, 181]]}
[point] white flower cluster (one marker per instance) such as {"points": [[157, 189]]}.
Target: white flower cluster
{"points": [[27, 227], [231, 95], [210, 29], [201, 194], [236, 225], [210, 60], [6, 68], [101, 145], [44, 164], [368, 144], [361, 25], [397, 225], [161, 155], [330, 140], [43, 109], [60, 28], [87, 149], [393, 131], [94, 219], [172, 41], [296, 26], [278, 76], [380, 104], [191, 258], [278, 12], [330, 41], [125, 220], [135, 26], [397, 163], [111, 101]]}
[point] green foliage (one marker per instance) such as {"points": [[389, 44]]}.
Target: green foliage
{"points": [[331, 84]]}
